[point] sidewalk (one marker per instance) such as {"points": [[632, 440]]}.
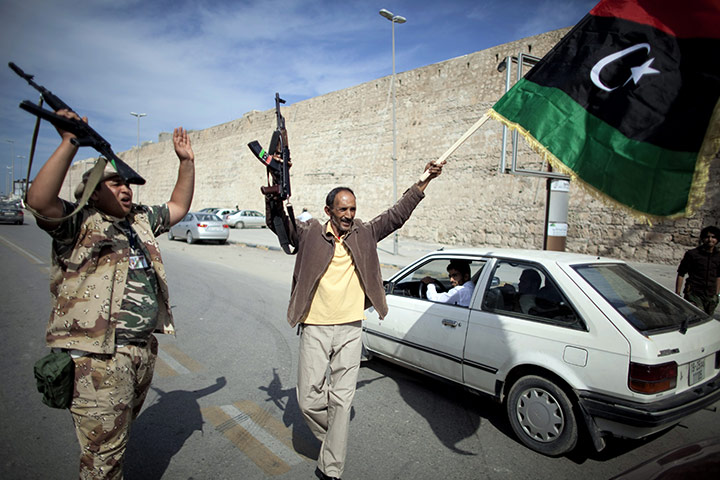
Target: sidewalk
{"points": [[410, 250]]}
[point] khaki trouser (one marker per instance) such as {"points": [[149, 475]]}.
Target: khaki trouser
{"points": [[326, 405], [109, 393]]}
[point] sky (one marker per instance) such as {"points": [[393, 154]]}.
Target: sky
{"points": [[201, 63]]}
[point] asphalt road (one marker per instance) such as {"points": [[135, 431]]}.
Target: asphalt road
{"points": [[223, 399]]}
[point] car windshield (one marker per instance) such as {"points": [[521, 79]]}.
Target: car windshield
{"points": [[643, 303]]}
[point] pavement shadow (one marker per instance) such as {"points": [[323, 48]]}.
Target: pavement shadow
{"points": [[285, 399], [162, 429], [461, 409]]}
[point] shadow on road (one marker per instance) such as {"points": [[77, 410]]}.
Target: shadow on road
{"points": [[460, 417], [285, 399], [162, 429]]}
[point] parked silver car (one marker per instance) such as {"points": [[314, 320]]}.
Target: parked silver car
{"points": [[245, 219], [197, 226], [562, 340]]}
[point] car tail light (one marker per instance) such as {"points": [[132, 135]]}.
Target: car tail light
{"points": [[650, 379], [202, 225], [226, 226]]}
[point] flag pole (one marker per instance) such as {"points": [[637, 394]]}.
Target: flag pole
{"points": [[456, 145]]}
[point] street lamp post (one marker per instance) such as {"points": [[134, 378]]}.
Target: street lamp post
{"points": [[23, 184], [12, 157], [394, 19], [137, 158], [7, 181]]}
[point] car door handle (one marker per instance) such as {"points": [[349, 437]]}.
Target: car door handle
{"points": [[451, 323]]}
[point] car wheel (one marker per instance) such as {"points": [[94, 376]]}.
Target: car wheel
{"points": [[170, 235], [240, 225], [542, 416], [189, 238]]}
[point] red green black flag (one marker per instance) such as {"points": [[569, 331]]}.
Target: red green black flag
{"points": [[627, 103]]}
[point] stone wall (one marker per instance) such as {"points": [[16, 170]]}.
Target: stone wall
{"points": [[345, 138]]}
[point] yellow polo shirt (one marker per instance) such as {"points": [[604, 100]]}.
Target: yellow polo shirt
{"points": [[339, 297]]}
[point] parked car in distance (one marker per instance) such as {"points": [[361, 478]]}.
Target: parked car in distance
{"points": [[560, 339], [11, 213], [245, 219], [197, 226], [208, 210], [222, 212]]}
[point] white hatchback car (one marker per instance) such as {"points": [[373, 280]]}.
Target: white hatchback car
{"points": [[564, 340]]}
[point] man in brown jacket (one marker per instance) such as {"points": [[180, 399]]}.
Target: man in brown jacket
{"points": [[336, 277]]}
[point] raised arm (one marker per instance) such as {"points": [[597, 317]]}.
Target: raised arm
{"points": [[43, 194], [182, 194]]}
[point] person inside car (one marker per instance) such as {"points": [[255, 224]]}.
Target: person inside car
{"points": [[528, 288], [462, 287]]}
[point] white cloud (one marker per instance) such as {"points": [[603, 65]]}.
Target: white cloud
{"points": [[202, 63]]}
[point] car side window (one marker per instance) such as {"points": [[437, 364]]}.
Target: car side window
{"points": [[412, 285], [188, 217], [525, 290]]}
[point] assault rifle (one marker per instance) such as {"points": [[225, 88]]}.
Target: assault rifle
{"points": [[278, 171], [85, 135]]}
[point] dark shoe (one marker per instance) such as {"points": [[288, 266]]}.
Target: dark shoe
{"points": [[321, 475]]}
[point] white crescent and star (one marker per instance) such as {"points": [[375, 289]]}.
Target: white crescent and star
{"points": [[636, 73]]}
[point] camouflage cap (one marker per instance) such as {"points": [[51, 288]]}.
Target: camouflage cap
{"points": [[109, 172]]}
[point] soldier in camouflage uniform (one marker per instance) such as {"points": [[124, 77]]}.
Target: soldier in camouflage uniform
{"points": [[109, 294]]}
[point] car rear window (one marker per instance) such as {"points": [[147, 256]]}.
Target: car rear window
{"points": [[208, 217], [646, 305]]}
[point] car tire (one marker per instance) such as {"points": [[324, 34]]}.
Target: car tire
{"points": [[239, 225], [542, 416], [170, 235], [189, 238]]}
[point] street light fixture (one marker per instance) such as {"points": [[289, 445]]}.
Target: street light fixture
{"points": [[137, 157], [394, 19]]}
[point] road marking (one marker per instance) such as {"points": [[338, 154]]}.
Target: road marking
{"points": [[22, 251], [255, 432], [172, 361], [188, 362]]}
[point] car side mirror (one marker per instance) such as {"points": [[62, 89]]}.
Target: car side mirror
{"points": [[388, 286]]}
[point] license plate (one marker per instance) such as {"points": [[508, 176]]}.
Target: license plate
{"points": [[697, 371], [214, 229]]}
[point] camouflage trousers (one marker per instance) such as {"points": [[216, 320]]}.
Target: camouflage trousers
{"points": [[109, 393], [706, 303]]}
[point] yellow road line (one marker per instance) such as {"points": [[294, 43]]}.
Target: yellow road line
{"points": [[257, 451], [182, 358]]}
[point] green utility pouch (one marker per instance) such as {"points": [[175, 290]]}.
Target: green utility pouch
{"points": [[55, 376]]}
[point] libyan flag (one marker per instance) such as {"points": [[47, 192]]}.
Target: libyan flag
{"points": [[627, 103]]}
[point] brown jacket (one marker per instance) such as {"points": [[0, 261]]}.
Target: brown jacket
{"points": [[315, 250]]}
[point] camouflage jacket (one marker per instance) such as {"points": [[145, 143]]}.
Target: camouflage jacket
{"points": [[89, 273]]}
